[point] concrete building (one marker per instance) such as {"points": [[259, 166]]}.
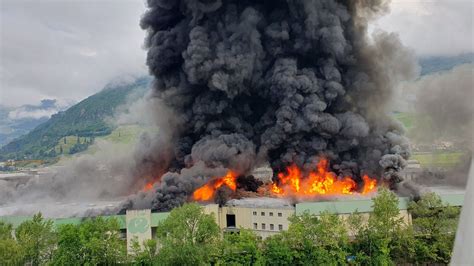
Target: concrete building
{"points": [[265, 216]]}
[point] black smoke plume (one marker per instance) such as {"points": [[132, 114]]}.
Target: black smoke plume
{"points": [[280, 81]]}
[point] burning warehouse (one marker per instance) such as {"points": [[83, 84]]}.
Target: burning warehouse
{"points": [[298, 85]]}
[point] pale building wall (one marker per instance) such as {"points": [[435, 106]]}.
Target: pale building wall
{"points": [[266, 225], [271, 222]]}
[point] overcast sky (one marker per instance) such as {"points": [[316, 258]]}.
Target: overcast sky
{"points": [[69, 49]]}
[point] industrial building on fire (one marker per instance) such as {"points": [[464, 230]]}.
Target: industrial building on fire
{"points": [[265, 216]]}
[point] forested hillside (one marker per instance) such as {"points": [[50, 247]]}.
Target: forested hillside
{"points": [[81, 123]]}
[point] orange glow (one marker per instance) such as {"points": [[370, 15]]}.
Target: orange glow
{"points": [[318, 182], [207, 191], [148, 186]]}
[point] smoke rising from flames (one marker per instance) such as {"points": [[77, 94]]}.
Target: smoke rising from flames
{"points": [[284, 82]]}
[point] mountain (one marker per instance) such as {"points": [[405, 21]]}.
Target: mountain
{"points": [[18, 121], [433, 64], [80, 123]]}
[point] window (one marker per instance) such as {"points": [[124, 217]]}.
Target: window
{"points": [[263, 226], [230, 218], [255, 226], [272, 227], [280, 227], [254, 213], [279, 214], [271, 214], [262, 213]]}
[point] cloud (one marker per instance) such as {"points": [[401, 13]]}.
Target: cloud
{"points": [[45, 109], [67, 50], [441, 27], [21, 113]]}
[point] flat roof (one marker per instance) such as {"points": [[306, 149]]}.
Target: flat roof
{"points": [[343, 206], [156, 218], [364, 205]]}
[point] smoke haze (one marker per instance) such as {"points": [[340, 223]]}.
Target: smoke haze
{"points": [[444, 104], [446, 99]]}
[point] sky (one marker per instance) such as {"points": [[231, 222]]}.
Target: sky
{"points": [[69, 49]]}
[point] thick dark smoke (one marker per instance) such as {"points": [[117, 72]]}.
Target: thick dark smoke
{"points": [[279, 81]]}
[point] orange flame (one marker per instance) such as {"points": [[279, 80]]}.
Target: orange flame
{"points": [[369, 184], [319, 182], [207, 191]]}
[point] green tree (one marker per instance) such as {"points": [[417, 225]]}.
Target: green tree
{"points": [[277, 251], [375, 240], [10, 252], [434, 225], [310, 240], [69, 251], [37, 239], [240, 248], [95, 241], [187, 236], [144, 255]]}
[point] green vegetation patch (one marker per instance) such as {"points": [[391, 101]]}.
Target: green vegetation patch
{"points": [[124, 134], [438, 159]]}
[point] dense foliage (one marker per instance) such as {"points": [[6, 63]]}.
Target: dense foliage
{"points": [[85, 119], [93, 242], [189, 236]]}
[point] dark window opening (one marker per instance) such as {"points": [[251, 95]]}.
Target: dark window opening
{"points": [[230, 218]]}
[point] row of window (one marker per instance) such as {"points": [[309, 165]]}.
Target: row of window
{"points": [[264, 227], [269, 214]]}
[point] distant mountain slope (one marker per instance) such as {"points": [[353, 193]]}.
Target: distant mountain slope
{"points": [[84, 120], [18, 121], [433, 64]]}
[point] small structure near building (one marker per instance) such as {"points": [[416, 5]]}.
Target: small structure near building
{"points": [[138, 224]]}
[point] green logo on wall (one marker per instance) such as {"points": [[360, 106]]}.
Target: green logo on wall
{"points": [[138, 225]]}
